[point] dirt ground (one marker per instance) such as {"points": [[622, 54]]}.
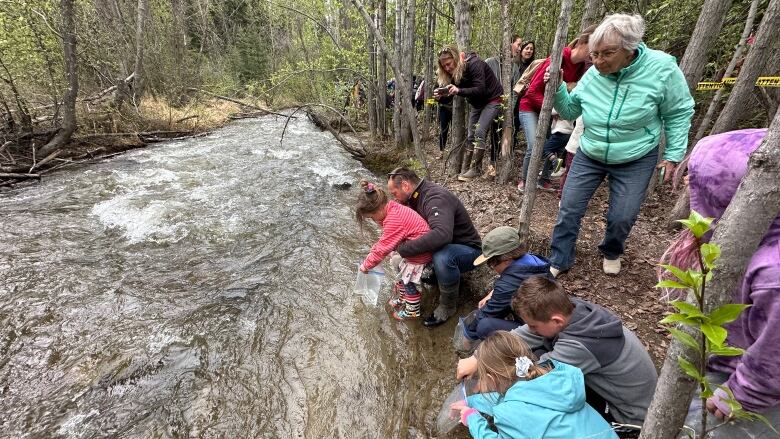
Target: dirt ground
{"points": [[631, 294]]}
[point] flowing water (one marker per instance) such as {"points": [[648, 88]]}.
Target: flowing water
{"points": [[202, 288]]}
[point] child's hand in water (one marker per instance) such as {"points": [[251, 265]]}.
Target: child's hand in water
{"points": [[464, 410]]}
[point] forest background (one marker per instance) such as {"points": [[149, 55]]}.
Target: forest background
{"points": [[156, 65]]}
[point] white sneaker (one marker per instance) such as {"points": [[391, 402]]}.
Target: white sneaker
{"points": [[611, 266], [554, 271], [558, 173]]}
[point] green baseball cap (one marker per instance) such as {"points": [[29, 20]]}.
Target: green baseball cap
{"points": [[497, 242]]}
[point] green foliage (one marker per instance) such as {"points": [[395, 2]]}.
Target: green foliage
{"points": [[709, 335]]}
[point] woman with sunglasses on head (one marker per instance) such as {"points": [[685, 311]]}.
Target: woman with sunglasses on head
{"points": [[631, 96], [465, 74]]}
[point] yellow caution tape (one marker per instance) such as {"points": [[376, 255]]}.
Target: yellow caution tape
{"points": [[763, 81], [430, 101]]}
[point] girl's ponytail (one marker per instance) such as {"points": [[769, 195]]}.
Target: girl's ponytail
{"points": [[371, 199]]}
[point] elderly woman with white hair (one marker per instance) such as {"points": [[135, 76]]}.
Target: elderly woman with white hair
{"points": [[629, 98]]}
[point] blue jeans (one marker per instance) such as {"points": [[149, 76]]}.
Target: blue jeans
{"points": [[529, 120], [627, 187], [452, 260], [554, 144]]}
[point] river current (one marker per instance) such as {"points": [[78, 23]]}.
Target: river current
{"points": [[203, 288]]}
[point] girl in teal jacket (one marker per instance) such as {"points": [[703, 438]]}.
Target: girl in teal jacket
{"points": [[628, 99], [526, 399]]}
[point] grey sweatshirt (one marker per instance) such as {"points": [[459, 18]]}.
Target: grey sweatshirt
{"points": [[613, 360]]}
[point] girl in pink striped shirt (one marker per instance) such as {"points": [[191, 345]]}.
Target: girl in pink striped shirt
{"points": [[399, 223]]}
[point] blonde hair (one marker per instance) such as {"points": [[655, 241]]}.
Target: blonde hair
{"points": [[444, 78], [496, 355]]}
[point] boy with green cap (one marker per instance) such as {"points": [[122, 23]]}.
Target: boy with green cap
{"points": [[503, 252]]}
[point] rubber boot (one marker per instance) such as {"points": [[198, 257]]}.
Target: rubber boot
{"points": [[448, 304], [464, 167], [476, 167]]}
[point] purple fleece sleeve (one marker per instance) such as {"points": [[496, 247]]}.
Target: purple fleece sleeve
{"points": [[754, 382]]}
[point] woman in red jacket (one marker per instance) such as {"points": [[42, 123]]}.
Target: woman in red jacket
{"points": [[574, 64]]}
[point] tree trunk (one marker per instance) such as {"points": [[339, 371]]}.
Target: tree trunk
{"points": [[705, 122], [710, 22], [381, 98], [590, 13], [407, 65], [506, 74], [139, 80], [463, 37], [765, 44], [401, 84], [428, 88], [739, 231], [398, 42], [529, 196], [370, 86], [69, 100]]}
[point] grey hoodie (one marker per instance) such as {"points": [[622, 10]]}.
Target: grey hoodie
{"points": [[613, 360]]}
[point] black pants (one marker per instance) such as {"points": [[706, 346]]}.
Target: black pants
{"points": [[445, 119]]}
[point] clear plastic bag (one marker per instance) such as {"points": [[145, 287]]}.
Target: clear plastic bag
{"points": [[449, 419], [369, 285]]}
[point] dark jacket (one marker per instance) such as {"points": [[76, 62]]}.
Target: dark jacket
{"points": [[446, 216], [499, 305], [479, 85]]}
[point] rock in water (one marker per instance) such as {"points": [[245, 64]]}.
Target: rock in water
{"points": [[343, 186]]}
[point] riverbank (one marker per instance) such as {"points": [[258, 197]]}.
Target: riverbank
{"points": [[631, 295], [103, 132]]}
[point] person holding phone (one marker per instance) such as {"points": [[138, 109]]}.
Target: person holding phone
{"points": [[468, 76], [628, 99]]}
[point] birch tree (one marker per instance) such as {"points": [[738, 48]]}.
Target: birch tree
{"points": [[529, 196]]}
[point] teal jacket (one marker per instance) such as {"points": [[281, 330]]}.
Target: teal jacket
{"points": [[551, 406], [625, 112]]}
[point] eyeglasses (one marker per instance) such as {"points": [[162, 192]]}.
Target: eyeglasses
{"points": [[603, 54]]}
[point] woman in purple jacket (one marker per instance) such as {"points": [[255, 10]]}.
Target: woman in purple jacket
{"points": [[715, 170]]}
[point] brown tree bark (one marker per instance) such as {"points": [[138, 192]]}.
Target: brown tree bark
{"points": [[739, 231], [710, 22], [463, 37], [401, 84], [381, 98], [766, 43], [590, 13], [428, 88], [370, 87], [506, 73], [705, 122], [407, 65], [529, 196], [398, 42], [71, 93]]}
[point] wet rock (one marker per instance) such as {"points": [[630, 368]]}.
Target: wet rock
{"points": [[342, 186]]}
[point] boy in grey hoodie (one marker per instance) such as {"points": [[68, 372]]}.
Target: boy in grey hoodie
{"points": [[618, 370]]}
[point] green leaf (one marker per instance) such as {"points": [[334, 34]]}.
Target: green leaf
{"points": [[682, 275], [727, 313], [678, 318], [710, 253], [727, 351], [689, 369], [685, 338], [697, 224], [715, 334], [671, 284], [687, 308]]}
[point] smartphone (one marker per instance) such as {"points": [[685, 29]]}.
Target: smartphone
{"points": [[441, 91], [661, 175]]}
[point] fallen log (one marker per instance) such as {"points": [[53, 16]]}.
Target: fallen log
{"points": [[235, 101], [18, 175], [357, 152]]}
